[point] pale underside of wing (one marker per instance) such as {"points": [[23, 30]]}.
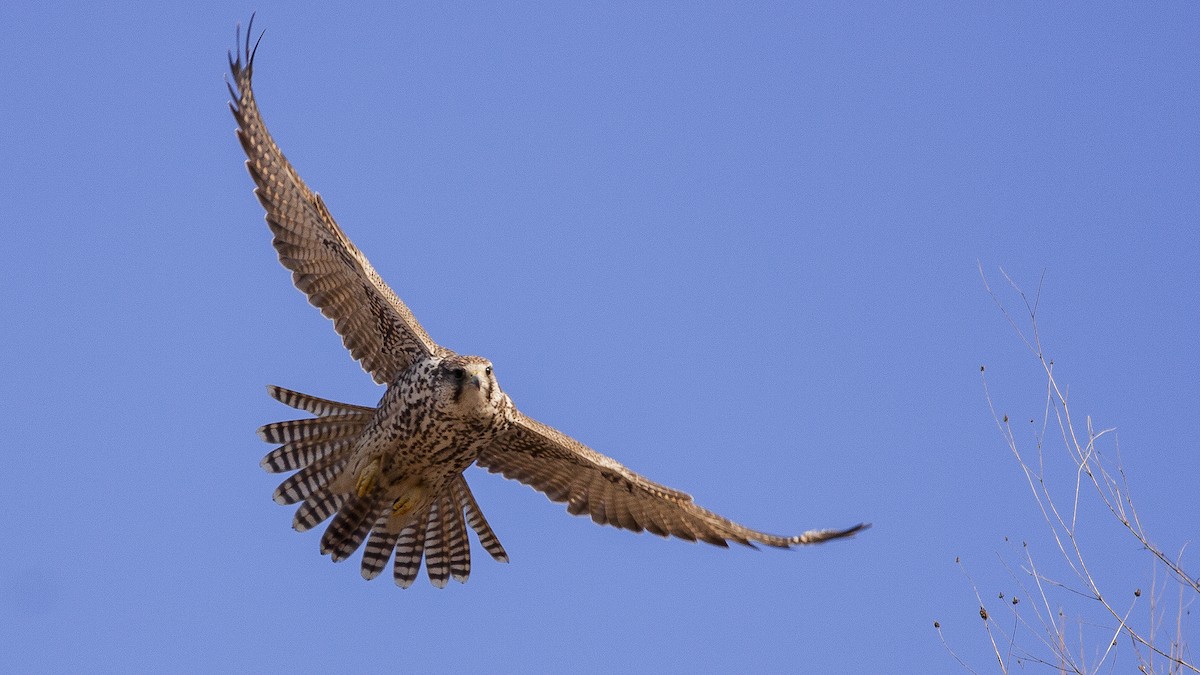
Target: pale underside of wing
{"points": [[591, 483], [375, 325]]}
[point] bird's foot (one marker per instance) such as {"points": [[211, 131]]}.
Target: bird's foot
{"points": [[412, 495], [367, 479]]}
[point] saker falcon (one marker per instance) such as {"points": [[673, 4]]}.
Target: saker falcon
{"points": [[392, 475]]}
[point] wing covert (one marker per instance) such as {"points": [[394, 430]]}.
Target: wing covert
{"points": [[376, 326], [594, 484]]}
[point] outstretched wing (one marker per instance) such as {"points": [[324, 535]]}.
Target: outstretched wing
{"points": [[591, 483], [378, 329]]}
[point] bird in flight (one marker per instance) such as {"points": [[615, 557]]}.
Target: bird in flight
{"points": [[392, 475]]}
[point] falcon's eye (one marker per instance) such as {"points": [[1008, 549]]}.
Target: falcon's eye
{"points": [[458, 374], [488, 370]]}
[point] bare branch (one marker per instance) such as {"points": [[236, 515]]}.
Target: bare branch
{"points": [[1090, 467]]}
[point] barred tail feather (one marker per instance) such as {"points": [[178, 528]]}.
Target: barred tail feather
{"points": [[317, 406], [379, 547], [351, 526], [410, 546], [308, 480], [475, 519], [313, 428], [457, 545], [437, 562], [317, 508], [299, 454]]}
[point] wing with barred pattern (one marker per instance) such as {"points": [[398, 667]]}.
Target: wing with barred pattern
{"points": [[594, 484], [376, 326]]}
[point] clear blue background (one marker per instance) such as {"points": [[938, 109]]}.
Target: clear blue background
{"points": [[732, 245]]}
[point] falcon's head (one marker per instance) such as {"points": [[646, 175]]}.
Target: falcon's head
{"points": [[467, 385]]}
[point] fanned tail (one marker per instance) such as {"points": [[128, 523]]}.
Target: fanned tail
{"points": [[318, 450]]}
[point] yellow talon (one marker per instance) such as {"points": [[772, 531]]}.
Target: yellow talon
{"points": [[367, 479], [402, 506], [413, 492]]}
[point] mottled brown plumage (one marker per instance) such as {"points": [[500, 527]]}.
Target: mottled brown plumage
{"points": [[392, 475]]}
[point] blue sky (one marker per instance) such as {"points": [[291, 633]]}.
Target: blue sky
{"points": [[734, 247]]}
